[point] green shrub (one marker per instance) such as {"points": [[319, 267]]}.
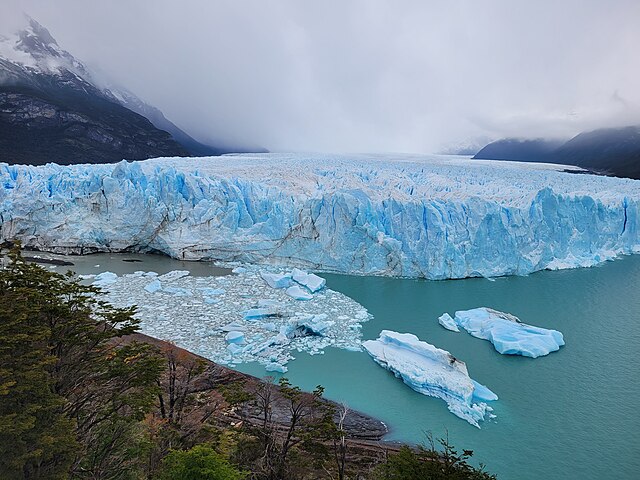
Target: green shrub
{"points": [[199, 463]]}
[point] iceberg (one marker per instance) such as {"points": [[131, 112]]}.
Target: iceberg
{"points": [[298, 293], [104, 279], [153, 286], [433, 372], [414, 216], [508, 334], [254, 313], [275, 367], [276, 280], [447, 322], [235, 336], [309, 280]]}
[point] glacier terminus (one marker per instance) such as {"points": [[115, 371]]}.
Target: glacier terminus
{"points": [[433, 217]]}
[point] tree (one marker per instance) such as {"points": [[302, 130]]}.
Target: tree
{"points": [[184, 405], [37, 440], [199, 463], [87, 390], [427, 463], [340, 444]]}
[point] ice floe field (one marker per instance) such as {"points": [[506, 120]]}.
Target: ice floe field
{"points": [[252, 315]]}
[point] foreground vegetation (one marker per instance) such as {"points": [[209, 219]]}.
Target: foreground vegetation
{"points": [[81, 397]]}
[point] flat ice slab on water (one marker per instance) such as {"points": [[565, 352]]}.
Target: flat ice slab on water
{"points": [[402, 215], [447, 322], [507, 333], [432, 371], [238, 318]]}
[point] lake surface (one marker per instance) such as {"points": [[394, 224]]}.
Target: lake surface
{"points": [[572, 414]]}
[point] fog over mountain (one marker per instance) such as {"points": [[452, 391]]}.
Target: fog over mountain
{"points": [[363, 75]]}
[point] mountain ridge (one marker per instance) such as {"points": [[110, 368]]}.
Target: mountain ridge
{"points": [[49, 95], [609, 151]]}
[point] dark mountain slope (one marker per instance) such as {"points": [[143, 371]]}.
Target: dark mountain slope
{"points": [[614, 151], [610, 151], [536, 150]]}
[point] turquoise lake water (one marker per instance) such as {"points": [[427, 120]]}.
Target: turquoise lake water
{"points": [[570, 415], [573, 414]]}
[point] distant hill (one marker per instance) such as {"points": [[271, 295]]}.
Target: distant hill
{"points": [[614, 151], [610, 151], [53, 110], [536, 150]]}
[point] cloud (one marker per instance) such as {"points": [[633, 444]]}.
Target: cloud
{"points": [[363, 75]]}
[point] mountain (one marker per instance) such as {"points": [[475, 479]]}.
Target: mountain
{"points": [[535, 150], [610, 151], [614, 151], [52, 109]]}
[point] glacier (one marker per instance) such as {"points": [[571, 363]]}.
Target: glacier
{"points": [[420, 216], [432, 371], [507, 333]]}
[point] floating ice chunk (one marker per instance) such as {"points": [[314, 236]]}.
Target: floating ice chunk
{"points": [[314, 325], [255, 313], [447, 322], [86, 277], [430, 371], [276, 280], [239, 270], [233, 326], [275, 367], [177, 291], [211, 301], [173, 275], [151, 274], [508, 335], [235, 336], [298, 293], [270, 326], [313, 282], [154, 286], [234, 349], [105, 278], [482, 393]]}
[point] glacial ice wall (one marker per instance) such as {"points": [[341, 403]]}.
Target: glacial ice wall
{"points": [[415, 216]]}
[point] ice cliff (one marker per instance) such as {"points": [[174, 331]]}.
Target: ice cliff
{"points": [[401, 215]]}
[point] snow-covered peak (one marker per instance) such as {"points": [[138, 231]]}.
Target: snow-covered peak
{"points": [[34, 48]]}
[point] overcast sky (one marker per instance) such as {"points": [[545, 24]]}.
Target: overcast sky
{"points": [[363, 75]]}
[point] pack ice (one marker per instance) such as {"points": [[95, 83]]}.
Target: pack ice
{"points": [[244, 317], [506, 332], [432, 371], [399, 215]]}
